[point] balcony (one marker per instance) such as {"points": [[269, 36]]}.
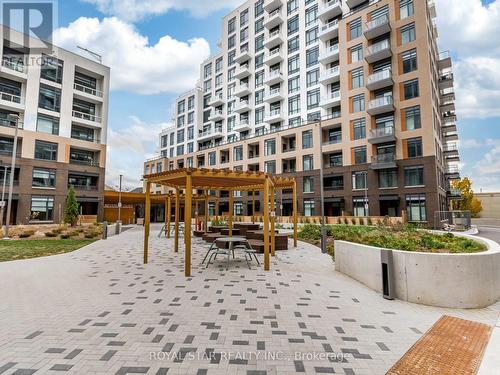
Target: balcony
{"points": [[273, 77], [216, 115], [242, 126], [88, 91], [242, 72], [382, 135], [84, 187], [242, 90], [354, 3], [273, 57], [242, 56], [380, 105], [378, 51], [444, 60], [377, 27], [451, 152], [454, 194], [450, 136], [274, 115], [384, 161], [331, 100], [330, 54], [210, 134], [329, 9], [242, 107], [86, 118], [14, 68], [329, 31], [270, 5], [216, 100], [274, 39], [452, 172], [330, 75], [379, 80], [11, 101], [273, 19], [273, 95], [448, 102], [446, 81]]}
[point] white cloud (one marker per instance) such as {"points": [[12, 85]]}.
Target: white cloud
{"points": [[136, 10], [470, 31], [128, 148], [136, 65]]}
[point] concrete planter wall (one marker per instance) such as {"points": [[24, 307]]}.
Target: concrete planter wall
{"points": [[444, 280]]}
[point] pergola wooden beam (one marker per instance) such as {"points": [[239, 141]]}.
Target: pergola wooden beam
{"points": [[187, 225]]}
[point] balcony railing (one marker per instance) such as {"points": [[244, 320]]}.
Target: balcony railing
{"points": [[380, 102], [273, 34], [88, 90], [273, 74], [378, 47], [83, 187], [332, 50], [379, 76], [330, 25], [11, 97], [386, 131], [384, 161], [377, 22], [14, 65], [92, 163], [87, 116]]}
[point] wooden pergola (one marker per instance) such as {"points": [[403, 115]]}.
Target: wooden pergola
{"points": [[218, 179]]}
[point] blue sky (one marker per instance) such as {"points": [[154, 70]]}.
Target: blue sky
{"points": [[181, 38]]}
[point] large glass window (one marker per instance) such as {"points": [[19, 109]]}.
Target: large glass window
{"points": [[357, 78], [238, 153], [211, 158], [84, 157], [270, 147], [311, 15], [360, 207], [358, 103], [414, 176], [52, 69], [410, 89], [388, 178], [270, 166], [308, 207], [408, 33], [312, 77], [359, 128], [47, 124], [42, 208], [293, 25], [412, 116], [409, 59], [311, 36], [360, 155], [293, 44], [405, 8], [359, 180], [357, 53], [294, 105], [293, 64], [313, 99], [307, 139], [355, 29], [44, 178], [308, 184], [415, 147], [84, 134], [307, 163], [293, 84], [50, 98], [312, 56], [415, 207], [45, 150]]}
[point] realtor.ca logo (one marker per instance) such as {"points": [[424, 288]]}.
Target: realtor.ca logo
{"points": [[35, 19]]}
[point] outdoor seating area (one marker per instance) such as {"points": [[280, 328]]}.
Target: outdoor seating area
{"points": [[254, 239]]}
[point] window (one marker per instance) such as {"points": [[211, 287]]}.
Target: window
{"points": [[293, 64], [230, 58], [308, 207], [415, 207], [259, 25], [335, 160], [190, 117], [311, 15], [259, 79], [409, 60], [410, 89], [292, 6], [405, 8], [259, 61], [243, 18], [308, 184], [231, 41], [42, 208], [358, 103], [360, 155], [294, 105], [355, 29], [181, 120], [412, 117], [313, 99], [49, 98], [218, 67], [357, 53], [414, 147], [312, 56], [85, 157], [211, 158], [190, 133], [312, 77], [388, 178], [238, 153], [259, 115], [85, 134], [207, 74], [259, 8], [270, 166], [52, 69], [270, 147], [259, 97], [293, 44], [408, 33], [307, 139], [357, 78], [44, 178], [359, 180], [359, 126], [47, 124], [190, 147], [180, 136], [311, 36], [45, 150], [181, 106], [360, 207], [293, 25], [231, 25], [244, 34], [293, 84], [307, 163], [414, 176]]}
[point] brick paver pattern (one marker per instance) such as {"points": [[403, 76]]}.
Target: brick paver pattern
{"points": [[99, 310]]}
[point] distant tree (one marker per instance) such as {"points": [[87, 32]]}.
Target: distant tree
{"points": [[468, 202], [71, 208]]}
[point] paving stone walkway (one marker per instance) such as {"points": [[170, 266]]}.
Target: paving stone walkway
{"points": [[99, 310]]}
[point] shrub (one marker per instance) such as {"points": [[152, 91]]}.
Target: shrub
{"points": [[27, 233], [71, 208], [50, 234], [64, 236]]}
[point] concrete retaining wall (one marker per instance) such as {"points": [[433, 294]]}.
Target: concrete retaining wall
{"points": [[444, 280]]}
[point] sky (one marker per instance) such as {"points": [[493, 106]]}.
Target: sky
{"points": [[155, 48]]}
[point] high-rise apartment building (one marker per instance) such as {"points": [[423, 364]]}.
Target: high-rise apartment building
{"points": [[356, 87], [60, 102]]}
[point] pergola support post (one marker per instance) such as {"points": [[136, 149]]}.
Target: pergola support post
{"points": [[294, 202], [168, 213], [231, 210], [176, 226], [273, 223], [206, 211], [147, 217], [253, 206], [266, 224], [187, 225]]}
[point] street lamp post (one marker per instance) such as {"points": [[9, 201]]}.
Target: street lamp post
{"points": [[120, 200], [11, 182], [322, 193], [366, 194], [2, 204]]}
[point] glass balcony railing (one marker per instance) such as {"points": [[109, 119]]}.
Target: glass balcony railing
{"points": [[11, 97], [88, 90], [17, 66], [377, 22], [378, 47], [87, 116]]}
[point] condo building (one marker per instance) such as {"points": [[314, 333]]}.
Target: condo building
{"points": [[357, 88], [59, 102]]}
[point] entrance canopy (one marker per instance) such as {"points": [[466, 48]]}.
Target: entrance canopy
{"points": [[224, 180]]}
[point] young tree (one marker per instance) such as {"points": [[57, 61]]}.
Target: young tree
{"points": [[71, 208], [468, 202]]}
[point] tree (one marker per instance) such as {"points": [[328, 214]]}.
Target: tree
{"points": [[468, 202], [71, 208]]}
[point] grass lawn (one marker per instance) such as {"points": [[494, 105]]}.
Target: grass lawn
{"points": [[25, 249]]}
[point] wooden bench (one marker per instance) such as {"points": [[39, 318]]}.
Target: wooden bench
{"points": [[210, 237], [225, 232], [257, 245], [198, 233], [280, 240]]}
